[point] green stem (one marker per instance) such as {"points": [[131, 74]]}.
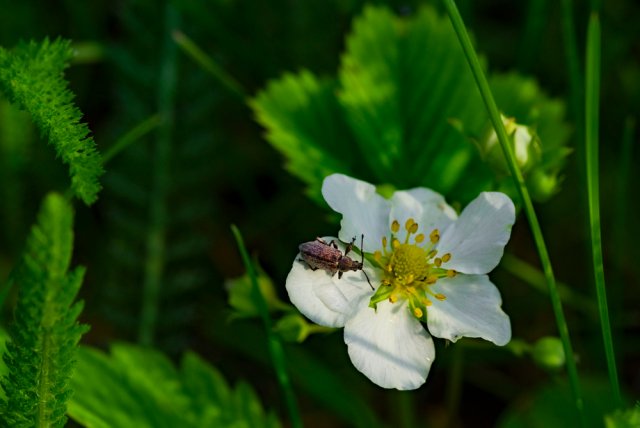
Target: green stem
{"points": [[592, 90], [527, 204], [139, 131], [156, 236], [208, 64], [275, 346]]}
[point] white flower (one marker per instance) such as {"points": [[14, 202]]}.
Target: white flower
{"points": [[428, 265]]}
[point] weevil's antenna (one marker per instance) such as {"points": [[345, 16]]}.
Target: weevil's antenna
{"points": [[362, 262]]}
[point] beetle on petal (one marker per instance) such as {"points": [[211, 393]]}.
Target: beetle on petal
{"points": [[320, 254]]}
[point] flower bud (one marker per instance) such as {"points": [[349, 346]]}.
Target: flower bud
{"points": [[548, 353], [524, 143], [241, 298], [292, 328], [542, 184]]}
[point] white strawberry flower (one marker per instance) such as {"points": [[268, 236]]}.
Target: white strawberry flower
{"points": [[428, 266]]}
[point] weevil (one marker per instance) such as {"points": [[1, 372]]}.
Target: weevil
{"points": [[320, 254]]}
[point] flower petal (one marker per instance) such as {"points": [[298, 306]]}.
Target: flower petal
{"points": [[426, 207], [471, 309], [476, 240], [389, 346], [363, 210], [324, 299]]}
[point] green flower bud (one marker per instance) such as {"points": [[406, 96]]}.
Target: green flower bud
{"points": [[241, 298], [524, 142], [548, 353], [542, 184], [292, 328]]}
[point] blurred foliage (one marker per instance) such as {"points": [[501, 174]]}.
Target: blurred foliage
{"points": [[138, 387], [624, 418], [552, 406], [338, 86]]}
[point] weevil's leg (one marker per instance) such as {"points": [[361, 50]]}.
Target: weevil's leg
{"points": [[340, 275], [308, 265], [367, 276], [349, 246], [322, 241], [362, 249], [333, 244]]}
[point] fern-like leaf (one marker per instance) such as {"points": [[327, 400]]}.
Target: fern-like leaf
{"points": [[31, 76], [43, 339]]}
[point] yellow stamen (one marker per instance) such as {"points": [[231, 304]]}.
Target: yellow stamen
{"points": [[440, 296], [393, 298], [419, 238], [431, 279], [384, 242], [451, 273], [413, 228], [434, 236], [417, 312], [432, 254], [395, 243], [446, 257], [395, 226], [437, 262], [428, 302], [410, 222]]}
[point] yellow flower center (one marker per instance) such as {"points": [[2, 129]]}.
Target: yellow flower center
{"points": [[410, 269]]}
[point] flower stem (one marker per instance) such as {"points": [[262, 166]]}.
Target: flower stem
{"points": [[527, 204], [275, 346], [592, 89]]}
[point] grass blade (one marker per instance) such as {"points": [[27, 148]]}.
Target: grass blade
{"points": [[527, 204], [592, 90]]}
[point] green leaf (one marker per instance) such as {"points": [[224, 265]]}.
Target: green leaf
{"points": [[140, 387], [403, 81], [305, 122], [404, 94], [31, 76], [43, 338]]}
